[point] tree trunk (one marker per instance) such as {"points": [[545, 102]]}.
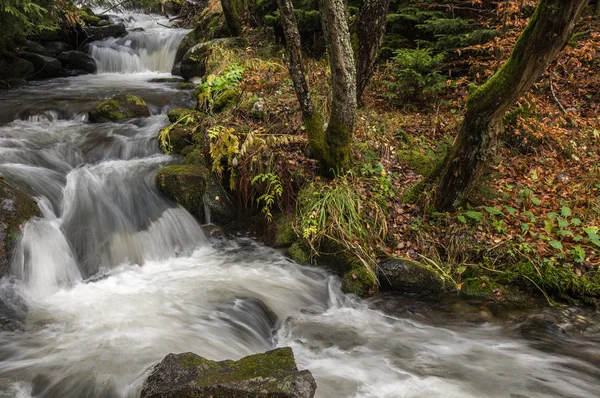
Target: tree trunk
{"points": [[235, 14], [312, 120], [370, 29], [544, 37], [338, 135]]}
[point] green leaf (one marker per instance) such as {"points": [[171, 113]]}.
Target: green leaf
{"points": [[548, 227], [535, 200], [556, 244], [530, 215], [575, 221], [563, 232], [552, 215], [511, 210], [475, 215], [525, 227], [562, 223], [493, 211], [578, 238], [462, 219], [565, 211]]}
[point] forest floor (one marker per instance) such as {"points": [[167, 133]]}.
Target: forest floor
{"points": [[532, 224]]}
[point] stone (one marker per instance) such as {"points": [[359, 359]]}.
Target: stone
{"points": [[195, 188], [78, 60], [406, 276], [34, 47], [167, 80], [12, 67], [53, 48], [120, 107], [102, 32], [194, 62], [16, 208], [272, 374], [44, 67]]}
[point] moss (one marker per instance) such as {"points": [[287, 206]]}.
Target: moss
{"points": [[226, 100], [186, 184], [124, 106], [15, 209], [285, 236], [176, 115], [299, 253], [196, 156], [235, 14], [89, 19], [185, 86], [413, 193], [359, 281], [422, 164]]}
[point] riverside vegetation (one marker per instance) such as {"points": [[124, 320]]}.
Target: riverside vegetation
{"points": [[529, 226]]}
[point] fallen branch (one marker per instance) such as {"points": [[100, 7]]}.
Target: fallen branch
{"points": [[562, 108]]}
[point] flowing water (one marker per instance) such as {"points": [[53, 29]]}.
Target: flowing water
{"points": [[113, 276]]}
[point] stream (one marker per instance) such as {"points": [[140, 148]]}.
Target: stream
{"points": [[114, 275]]}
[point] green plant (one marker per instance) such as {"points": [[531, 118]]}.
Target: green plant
{"points": [[415, 74], [164, 136], [273, 191], [214, 85], [336, 213]]}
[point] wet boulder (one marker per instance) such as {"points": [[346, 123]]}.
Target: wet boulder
{"points": [[12, 67], [102, 32], [44, 67], [123, 106], [194, 62], [78, 60], [180, 133], [272, 374], [34, 47], [406, 276], [195, 188], [53, 48], [15, 209]]}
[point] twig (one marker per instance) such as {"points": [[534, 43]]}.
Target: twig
{"points": [[113, 7], [562, 108]]}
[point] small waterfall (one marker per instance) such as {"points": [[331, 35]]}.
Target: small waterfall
{"points": [[206, 209], [150, 50]]}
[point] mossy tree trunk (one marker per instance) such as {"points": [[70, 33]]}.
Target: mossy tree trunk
{"points": [[235, 12], [546, 34], [338, 136], [312, 120], [370, 29], [331, 146]]}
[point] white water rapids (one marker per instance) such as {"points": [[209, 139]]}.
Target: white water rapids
{"points": [[114, 276]]}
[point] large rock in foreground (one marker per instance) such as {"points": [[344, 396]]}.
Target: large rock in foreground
{"points": [[15, 209], [123, 106], [270, 375]]}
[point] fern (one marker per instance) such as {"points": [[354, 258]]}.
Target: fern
{"points": [[273, 191]]}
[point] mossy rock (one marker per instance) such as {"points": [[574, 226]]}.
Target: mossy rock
{"points": [[488, 288], [195, 61], [194, 187], [179, 137], [360, 281], [420, 163], [227, 99], [89, 18], [16, 208], [196, 156], [176, 115], [209, 26], [407, 276], [186, 184], [272, 374], [12, 67], [120, 107], [285, 236], [185, 86], [167, 80], [299, 252]]}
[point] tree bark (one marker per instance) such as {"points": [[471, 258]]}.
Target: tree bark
{"points": [[370, 30], [544, 37], [340, 129], [312, 120]]}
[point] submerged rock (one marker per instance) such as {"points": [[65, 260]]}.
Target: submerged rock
{"points": [[272, 374], [78, 60], [44, 67], [15, 209], [408, 277], [123, 106]]}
